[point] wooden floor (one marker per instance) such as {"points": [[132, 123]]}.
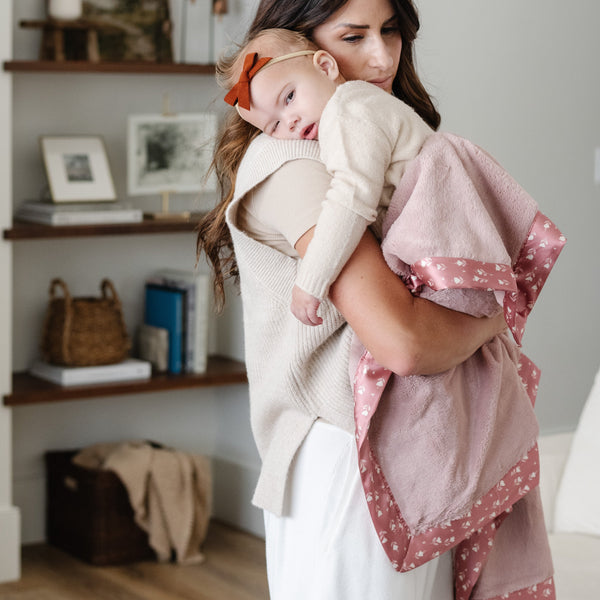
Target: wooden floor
{"points": [[234, 569]]}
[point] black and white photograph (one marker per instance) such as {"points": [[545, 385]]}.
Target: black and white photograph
{"points": [[170, 153], [77, 169]]}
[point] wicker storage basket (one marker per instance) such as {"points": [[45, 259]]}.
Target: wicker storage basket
{"points": [[88, 514], [81, 332]]}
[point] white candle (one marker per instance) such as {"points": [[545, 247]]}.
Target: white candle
{"points": [[64, 9]]}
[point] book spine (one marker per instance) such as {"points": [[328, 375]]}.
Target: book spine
{"points": [[165, 308]]}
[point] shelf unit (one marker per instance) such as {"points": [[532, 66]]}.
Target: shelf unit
{"points": [[27, 389], [22, 230], [76, 66]]}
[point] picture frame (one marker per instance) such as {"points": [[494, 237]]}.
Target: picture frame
{"points": [[170, 153], [77, 169]]}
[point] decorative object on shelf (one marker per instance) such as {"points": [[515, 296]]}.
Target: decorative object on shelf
{"points": [[77, 169], [153, 346], [88, 213], [65, 10], [73, 40], [118, 30], [85, 331], [130, 369], [168, 153], [131, 31]]}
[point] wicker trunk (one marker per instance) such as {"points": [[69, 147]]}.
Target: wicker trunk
{"points": [[88, 514]]}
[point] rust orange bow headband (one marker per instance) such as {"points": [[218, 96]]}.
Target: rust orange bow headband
{"points": [[240, 93]]}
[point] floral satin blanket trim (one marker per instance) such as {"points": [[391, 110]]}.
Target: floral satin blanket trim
{"points": [[472, 534], [522, 283]]}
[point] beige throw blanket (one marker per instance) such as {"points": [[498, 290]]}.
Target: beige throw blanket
{"points": [[170, 492]]}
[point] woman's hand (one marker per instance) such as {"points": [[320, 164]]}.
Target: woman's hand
{"points": [[409, 335]]}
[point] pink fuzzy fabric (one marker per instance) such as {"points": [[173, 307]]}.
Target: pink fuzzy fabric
{"points": [[449, 462]]}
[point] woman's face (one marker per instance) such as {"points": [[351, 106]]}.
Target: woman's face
{"points": [[364, 38]]}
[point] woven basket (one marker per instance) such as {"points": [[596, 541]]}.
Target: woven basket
{"points": [[85, 331], [88, 513]]}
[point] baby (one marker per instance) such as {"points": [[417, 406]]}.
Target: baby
{"points": [[289, 89]]}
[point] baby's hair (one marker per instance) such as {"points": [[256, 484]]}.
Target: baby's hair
{"points": [[269, 42]]}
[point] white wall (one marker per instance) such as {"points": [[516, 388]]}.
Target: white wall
{"points": [[522, 79], [9, 514]]}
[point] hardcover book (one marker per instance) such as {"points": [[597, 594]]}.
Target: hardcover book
{"points": [[129, 369], [86, 213]]}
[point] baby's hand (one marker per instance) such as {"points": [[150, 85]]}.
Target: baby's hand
{"points": [[304, 307]]}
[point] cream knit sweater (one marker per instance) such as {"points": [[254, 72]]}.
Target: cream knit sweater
{"points": [[296, 373], [366, 137]]}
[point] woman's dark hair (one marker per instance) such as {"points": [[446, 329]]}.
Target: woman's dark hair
{"points": [[303, 16], [306, 16]]}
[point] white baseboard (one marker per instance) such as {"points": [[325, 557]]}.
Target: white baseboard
{"points": [[233, 489], [10, 544], [30, 496]]}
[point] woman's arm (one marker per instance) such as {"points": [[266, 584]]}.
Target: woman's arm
{"points": [[409, 335]]}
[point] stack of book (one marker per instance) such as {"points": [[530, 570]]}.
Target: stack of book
{"points": [[81, 213], [176, 308]]}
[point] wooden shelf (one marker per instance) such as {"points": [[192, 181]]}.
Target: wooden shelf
{"points": [[76, 66], [28, 389], [22, 230]]}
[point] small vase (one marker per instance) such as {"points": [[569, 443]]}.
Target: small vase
{"points": [[65, 10]]}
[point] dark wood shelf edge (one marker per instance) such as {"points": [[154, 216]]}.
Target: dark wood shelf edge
{"points": [[22, 230], [76, 66], [27, 389]]}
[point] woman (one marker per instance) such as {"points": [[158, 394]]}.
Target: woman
{"points": [[320, 543]]}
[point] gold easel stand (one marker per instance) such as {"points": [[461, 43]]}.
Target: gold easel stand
{"points": [[165, 214]]}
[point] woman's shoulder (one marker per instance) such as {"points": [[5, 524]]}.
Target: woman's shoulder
{"points": [[265, 155], [358, 99]]}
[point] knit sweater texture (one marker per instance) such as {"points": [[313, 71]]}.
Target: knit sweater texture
{"points": [[296, 373]]}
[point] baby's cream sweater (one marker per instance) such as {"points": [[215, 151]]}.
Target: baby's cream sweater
{"points": [[366, 137], [296, 373]]}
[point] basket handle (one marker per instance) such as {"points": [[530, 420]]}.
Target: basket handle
{"points": [[59, 283], [106, 286]]}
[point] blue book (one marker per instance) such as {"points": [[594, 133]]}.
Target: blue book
{"points": [[165, 308]]}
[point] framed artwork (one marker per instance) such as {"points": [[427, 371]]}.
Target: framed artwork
{"points": [[131, 30], [77, 169], [170, 153]]}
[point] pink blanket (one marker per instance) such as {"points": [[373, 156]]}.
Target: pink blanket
{"points": [[450, 462]]}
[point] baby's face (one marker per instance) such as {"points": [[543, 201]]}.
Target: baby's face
{"points": [[288, 98]]}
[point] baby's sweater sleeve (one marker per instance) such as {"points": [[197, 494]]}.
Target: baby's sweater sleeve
{"points": [[356, 147]]}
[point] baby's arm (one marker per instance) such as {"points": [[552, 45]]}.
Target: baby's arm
{"points": [[356, 152]]}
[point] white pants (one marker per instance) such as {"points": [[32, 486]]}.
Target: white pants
{"points": [[325, 547]]}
